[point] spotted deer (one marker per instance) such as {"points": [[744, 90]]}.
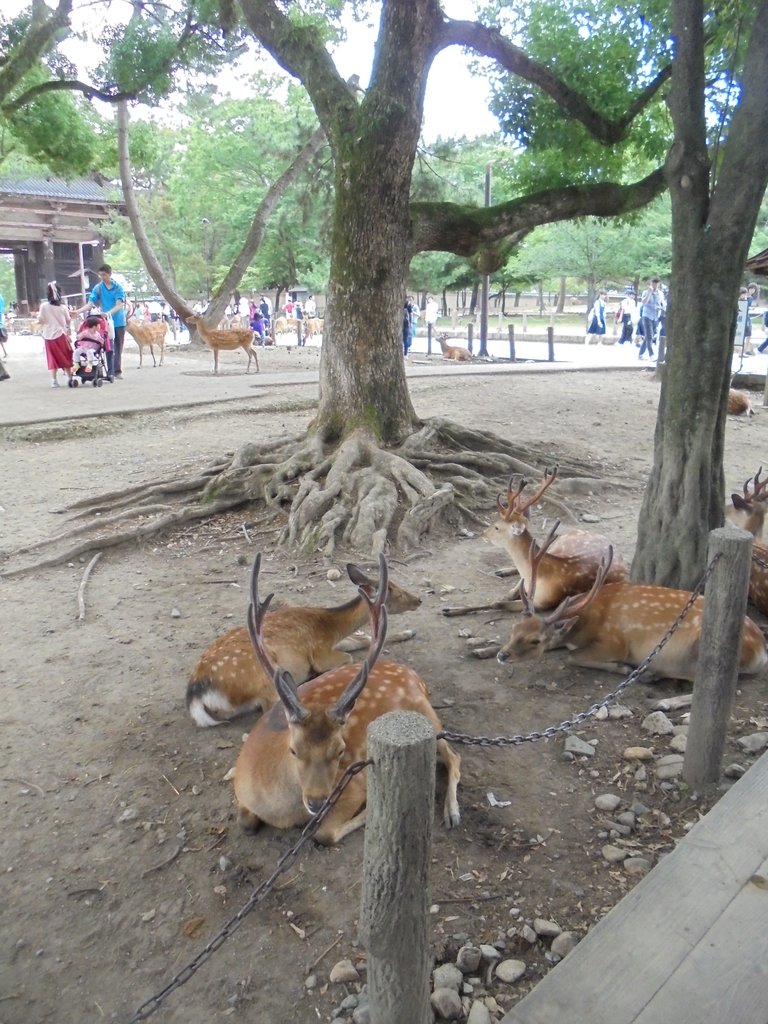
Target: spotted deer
{"points": [[617, 625], [229, 681], [297, 752], [227, 341], [147, 336], [565, 565], [456, 352], [748, 510]]}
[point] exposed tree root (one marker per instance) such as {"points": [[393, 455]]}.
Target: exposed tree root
{"points": [[356, 494]]}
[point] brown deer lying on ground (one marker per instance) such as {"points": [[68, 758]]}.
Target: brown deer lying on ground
{"points": [[615, 625], [748, 510], [739, 403], [226, 341], [453, 351], [148, 335], [564, 565], [229, 681], [296, 753]]}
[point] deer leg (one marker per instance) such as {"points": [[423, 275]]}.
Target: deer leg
{"points": [[215, 360], [496, 606], [600, 657], [162, 353], [324, 660], [348, 814], [152, 353], [141, 355], [452, 762], [248, 821]]}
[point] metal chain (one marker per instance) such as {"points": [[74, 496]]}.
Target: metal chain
{"points": [[759, 561], [287, 860], [554, 730]]}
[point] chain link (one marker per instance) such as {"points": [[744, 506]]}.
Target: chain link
{"points": [[287, 860], [554, 730]]}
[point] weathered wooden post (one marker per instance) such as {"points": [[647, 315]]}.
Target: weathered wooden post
{"points": [[725, 603], [398, 839], [470, 333], [525, 323], [551, 344], [512, 342]]}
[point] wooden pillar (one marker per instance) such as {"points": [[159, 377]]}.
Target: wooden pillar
{"points": [[725, 604], [512, 342], [398, 846], [551, 344]]}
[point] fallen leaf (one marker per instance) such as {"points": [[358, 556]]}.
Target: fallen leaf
{"points": [[193, 927]]}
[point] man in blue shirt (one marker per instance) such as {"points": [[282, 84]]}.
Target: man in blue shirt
{"points": [[4, 375], [109, 296]]}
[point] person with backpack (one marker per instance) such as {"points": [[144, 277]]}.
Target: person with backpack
{"points": [[109, 296]]}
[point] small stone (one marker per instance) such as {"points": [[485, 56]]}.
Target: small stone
{"points": [[619, 711], [588, 517], [350, 1002], [636, 866], [627, 818], [617, 829], [641, 776], [149, 916], [657, 724], [362, 1015], [479, 1013], [490, 953], [639, 808], [510, 971], [614, 854], [175, 613], [637, 754], [546, 929], [468, 959], [310, 982], [601, 714], [754, 743], [564, 943], [332, 575], [446, 1004], [575, 745], [448, 976], [734, 771], [679, 743], [343, 971], [527, 934], [607, 802], [224, 863], [129, 814], [669, 766]]}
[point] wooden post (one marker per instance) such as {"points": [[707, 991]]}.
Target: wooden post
{"points": [[470, 331], [429, 339], [398, 846], [512, 342], [550, 344], [525, 323], [725, 604]]}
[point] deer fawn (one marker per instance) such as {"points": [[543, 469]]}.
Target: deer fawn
{"points": [[748, 511], [564, 565], [148, 335], [453, 351], [226, 340], [229, 681], [615, 625], [295, 753]]}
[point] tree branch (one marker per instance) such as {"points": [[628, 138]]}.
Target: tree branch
{"points": [[489, 42], [463, 230], [36, 42], [67, 85]]}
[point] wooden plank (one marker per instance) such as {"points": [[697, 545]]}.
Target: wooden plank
{"points": [[641, 947]]}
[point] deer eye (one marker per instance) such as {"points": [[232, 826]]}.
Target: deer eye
{"points": [[292, 751]]}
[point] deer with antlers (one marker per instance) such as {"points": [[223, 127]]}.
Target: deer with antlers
{"points": [[296, 753], [747, 510], [565, 565], [617, 625], [229, 681]]}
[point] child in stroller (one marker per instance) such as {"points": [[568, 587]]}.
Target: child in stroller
{"points": [[91, 342]]}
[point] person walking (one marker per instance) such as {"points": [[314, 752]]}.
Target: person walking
{"points": [[596, 326], [3, 332], [651, 307], [408, 324], [626, 316], [54, 316], [109, 296]]}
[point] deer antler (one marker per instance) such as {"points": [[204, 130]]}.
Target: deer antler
{"points": [[576, 603], [508, 505], [550, 475], [535, 558], [375, 598]]}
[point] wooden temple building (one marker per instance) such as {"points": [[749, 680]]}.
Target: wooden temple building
{"points": [[53, 230]]}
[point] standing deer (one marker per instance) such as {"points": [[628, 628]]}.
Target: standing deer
{"points": [[565, 565], [453, 351], [748, 510], [615, 625], [296, 753], [229, 681], [148, 335], [227, 341]]}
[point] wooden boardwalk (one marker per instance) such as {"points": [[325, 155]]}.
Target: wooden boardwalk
{"points": [[689, 944]]}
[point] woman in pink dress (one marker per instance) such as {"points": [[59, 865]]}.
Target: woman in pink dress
{"points": [[54, 316]]}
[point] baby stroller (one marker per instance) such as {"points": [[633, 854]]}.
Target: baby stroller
{"points": [[90, 353]]}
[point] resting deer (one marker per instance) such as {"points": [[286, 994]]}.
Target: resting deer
{"points": [[758, 577], [453, 351], [296, 753], [148, 335], [565, 565], [229, 681], [739, 403], [226, 341], [615, 625], [748, 510]]}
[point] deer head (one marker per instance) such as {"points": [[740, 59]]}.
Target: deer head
{"points": [[514, 510]]}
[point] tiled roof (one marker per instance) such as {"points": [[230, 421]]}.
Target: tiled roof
{"points": [[57, 188]]}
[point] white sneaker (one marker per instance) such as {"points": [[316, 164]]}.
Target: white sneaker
{"points": [[54, 384]]}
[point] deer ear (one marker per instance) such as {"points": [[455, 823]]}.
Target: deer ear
{"points": [[357, 575], [739, 503], [564, 626]]}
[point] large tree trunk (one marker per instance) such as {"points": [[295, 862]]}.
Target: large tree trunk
{"points": [[711, 230]]}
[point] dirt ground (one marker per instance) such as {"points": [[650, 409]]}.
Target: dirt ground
{"points": [[120, 849]]}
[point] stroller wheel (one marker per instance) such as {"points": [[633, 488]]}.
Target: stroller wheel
{"points": [[98, 383]]}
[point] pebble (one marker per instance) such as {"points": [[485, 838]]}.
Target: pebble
{"points": [[332, 575], [734, 771], [613, 854], [129, 814], [350, 1002], [564, 943], [310, 982], [468, 959], [607, 802], [588, 517], [636, 866], [479, 1013], [657, 724], [547, 929], [641, 774], [527, 934], [449, 976], [639, 808], [626, 818], [362, 1015], [510, 971], [754, 743], [618, 829], [446, 1004], [679, 743], [343, 971], [638, 754], [670, 766], [619, 711], [490, 953], [175, 613], [575, 745]]}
